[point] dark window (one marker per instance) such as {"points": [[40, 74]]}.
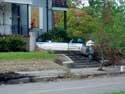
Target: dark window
{"points": [[19, 19], [59, 3]]}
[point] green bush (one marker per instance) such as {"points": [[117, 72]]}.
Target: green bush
{"points": [[12, 43], [115, 39], [3, 44], [119, 92], [56, 35]]}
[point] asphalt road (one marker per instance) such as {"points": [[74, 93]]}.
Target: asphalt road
{"points": [[90, 86]]}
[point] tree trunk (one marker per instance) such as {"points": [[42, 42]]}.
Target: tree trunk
{"points": [[102, 61]]}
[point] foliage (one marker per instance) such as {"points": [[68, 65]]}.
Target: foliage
{"points": [[56, 35], [113, 55], [80, 24], [101, 16], [12, 43], [58, 19], [110, 14], [111, 37], [95, 8], [103, 21], [105, 49], [111, 20], [115, 40]]}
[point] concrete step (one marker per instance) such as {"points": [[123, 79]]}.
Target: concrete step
{"points": [[84, 59], [85, 66], [80, 60], [75, 55], [85, 62]]}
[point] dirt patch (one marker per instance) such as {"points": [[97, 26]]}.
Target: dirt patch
{"points": [[27, 65]]}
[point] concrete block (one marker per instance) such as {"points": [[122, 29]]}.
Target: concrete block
{"points": [[32, 42]]}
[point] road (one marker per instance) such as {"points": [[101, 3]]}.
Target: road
{"points": [[90, 86]]}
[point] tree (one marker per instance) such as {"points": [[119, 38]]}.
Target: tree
{"points": [[105, 50], [111, 36], [80, 24]]}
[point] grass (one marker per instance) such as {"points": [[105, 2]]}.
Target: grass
{"points": [[119, 92], [27, 61], [26, 55]]}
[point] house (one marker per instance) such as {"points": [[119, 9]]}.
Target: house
{"points": [[19, 16]]}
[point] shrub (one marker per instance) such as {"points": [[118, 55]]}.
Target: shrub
{"points": [[3, 44], [116, 39], [12, 43], [56, 35]]}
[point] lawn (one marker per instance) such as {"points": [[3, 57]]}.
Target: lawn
{"points": [[26, 55], [27, 61], [119, 92]]}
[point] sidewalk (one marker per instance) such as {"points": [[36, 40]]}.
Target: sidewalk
{"points": [[53, 75], [93, 72]]}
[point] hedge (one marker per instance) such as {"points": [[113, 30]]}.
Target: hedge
{"points": [[12, 43]]}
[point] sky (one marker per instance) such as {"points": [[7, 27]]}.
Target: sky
{"points": [[84, 2]]}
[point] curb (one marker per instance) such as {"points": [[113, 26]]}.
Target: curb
{"points": [[111, 74], [69, 76], [32, 80]]}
